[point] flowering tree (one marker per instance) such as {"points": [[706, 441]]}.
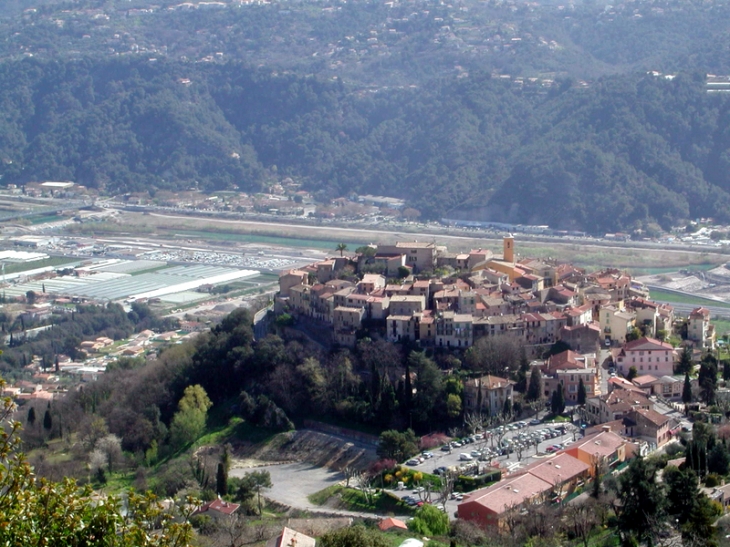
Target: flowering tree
{"points": [[44, 513]]}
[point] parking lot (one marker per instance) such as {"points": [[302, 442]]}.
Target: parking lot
{"points": [[510, 447]]}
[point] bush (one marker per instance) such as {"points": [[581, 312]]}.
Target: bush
{"points": [[712, 480], [430, 521], [467, 484]]}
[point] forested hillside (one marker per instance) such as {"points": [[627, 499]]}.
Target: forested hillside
{"points": [[632, 151]]}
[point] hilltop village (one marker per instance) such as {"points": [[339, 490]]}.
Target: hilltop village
{"points": [[419, 292]]}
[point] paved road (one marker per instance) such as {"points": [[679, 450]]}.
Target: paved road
{"points": [[293, 482]]}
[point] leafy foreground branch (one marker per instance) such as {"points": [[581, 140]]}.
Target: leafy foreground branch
{"points": [[44, 513]]}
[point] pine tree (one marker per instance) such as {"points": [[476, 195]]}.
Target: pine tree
{"points": [[581, 392]]}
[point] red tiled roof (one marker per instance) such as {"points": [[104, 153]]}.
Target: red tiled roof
{"points": [[390, 522], [218, 505], [557, 470], [646, 343]]}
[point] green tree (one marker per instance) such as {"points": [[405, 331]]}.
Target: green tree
{"points": [[707, 379], [682, 492], [48, 421], [534, 388], [633, 373], [354, 536], [221, 480], [687, 390], [393, 444], [430, 521], [453, 405], [684, 366], [521, 375], [188, 423], [718, 459], [700, 529], [557, 403], [642, 501], [244, 488], [429, 388], [341, 248], [40, 512], [581, 392]]}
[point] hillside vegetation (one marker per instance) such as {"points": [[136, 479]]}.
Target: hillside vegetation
{"points": [[631, 151]]}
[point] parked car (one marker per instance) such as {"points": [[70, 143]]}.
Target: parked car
{"points": [[413, 461], [446, 448], [465, 457], [535, 422]]}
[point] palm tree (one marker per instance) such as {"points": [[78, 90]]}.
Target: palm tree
{"points": [[341, 247]]}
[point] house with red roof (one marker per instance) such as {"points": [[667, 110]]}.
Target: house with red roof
{"points": [[489, 506], [291, 538], [217, 508], [606, 448], [648, 355], [494, 392], [699, 329], [648, 425]]}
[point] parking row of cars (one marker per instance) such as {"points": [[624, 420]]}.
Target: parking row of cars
{"points": [[418, 460]]}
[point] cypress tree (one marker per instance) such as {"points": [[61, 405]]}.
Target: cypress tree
{"points": [[31, 416], [221, 480], [687, 390], [534, 389], [47, 420], [581, 392], [479, 394]]}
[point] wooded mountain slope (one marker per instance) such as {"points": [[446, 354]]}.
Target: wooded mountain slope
{"points": [[629, 151]]}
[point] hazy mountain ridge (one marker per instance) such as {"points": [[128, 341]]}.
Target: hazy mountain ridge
{"points": [[630, 151]]}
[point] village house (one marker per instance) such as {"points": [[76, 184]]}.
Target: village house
{"points": [[616, 324], [495, 391], [604, 449], [699, 329], [454, 330], [419, 255], [291, 538], [615, 405], [648, 425], [648, 355], [217, 509], [488, 507]]}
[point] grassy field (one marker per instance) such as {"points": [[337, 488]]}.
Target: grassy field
{"points": [[355, 500], [51, 261], [671, 297], [45, 218], [269, 240]]}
